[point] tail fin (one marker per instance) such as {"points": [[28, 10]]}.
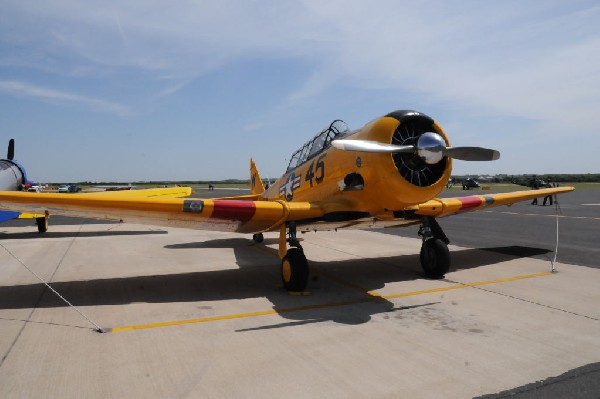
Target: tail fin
{"points": [[256, 184]]}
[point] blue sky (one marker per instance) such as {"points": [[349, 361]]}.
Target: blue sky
{"points": [[154, 90]]}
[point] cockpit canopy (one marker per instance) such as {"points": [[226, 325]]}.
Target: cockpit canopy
{"points": [[319, 143]]}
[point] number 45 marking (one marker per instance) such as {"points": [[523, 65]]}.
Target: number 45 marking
{"points": [[317, 173]]}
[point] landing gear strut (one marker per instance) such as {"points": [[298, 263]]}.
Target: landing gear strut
{"points": [[294, 266], [42, 224], [435, 257]]}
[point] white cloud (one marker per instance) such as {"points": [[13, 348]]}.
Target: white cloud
{"points": [[527, 60], [51, 95], [498, 57]]}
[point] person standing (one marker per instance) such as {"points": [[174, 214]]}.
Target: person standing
{"points": [[534, 186], [549, 196]]}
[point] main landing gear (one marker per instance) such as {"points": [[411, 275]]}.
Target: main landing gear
{"points": [[435, 257], [42, 224], [294, 266]]}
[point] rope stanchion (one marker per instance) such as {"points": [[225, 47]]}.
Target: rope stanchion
{"points": [[558, 213]]}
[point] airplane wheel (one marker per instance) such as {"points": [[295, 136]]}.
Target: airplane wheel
{"points": [[42, 224], [435, 258], [258, 237], [294, 270]]}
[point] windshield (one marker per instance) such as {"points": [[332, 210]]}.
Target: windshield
{"points": [[320, 142]]}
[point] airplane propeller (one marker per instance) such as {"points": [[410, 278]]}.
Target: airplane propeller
{"points": [[430, 147], [11, 150]]}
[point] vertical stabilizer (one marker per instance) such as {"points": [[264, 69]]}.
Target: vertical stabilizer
{"points": [[256, 184]]}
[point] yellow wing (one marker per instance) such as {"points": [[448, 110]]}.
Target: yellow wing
{"points": [[244, 215], [30, 215], [440, 207], [171, 192], [339, 215], [210, 214]]}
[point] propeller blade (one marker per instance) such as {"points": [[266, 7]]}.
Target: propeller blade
{"points": [[11, 150], [430, 147], [370, 146], [472, 153]]}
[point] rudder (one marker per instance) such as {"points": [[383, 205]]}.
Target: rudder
{"points": [[256, 184]]}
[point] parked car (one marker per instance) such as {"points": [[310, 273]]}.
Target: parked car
{"points": [[470, 183], [33, 188], [69, 188]]}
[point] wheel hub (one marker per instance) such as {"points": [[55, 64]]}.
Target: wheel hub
{"points": [[286, 271]]}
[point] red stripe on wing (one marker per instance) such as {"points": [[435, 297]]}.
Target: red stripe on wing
{"points": [[235, 210], [470, 202]]}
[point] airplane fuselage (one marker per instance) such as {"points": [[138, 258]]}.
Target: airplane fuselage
{"points": [[376, 183]]}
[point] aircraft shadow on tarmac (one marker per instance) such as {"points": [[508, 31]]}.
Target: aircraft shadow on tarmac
{"points": [[258, 276], [233, 243], [75, 234]]}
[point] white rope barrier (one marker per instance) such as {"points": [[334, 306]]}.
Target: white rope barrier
{"points": [[97, 329]]}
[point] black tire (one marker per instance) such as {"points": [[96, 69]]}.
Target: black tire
{"points": [[259, 237], [435, 258], [294, 270], [42, 224]]}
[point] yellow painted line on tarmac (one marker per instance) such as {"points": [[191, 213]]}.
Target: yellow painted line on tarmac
{"points": [[466, 285], [238, 316], [374, 297], [193, 321]]}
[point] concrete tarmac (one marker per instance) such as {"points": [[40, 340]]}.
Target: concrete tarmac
{"points": [[202, 314]]}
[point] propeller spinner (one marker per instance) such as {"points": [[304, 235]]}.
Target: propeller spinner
{"points": [[430, 147]]}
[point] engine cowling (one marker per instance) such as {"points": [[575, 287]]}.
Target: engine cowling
{"points": [[396, 180], [12, 176], [411, 166]]}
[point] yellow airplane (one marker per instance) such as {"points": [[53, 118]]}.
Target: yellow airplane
{"points": [[385, 174]]}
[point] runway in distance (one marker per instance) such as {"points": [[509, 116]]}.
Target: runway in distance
{"points": [[385, 174]]}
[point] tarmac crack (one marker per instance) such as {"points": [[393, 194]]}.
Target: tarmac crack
{"points": [[528, 301]]}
